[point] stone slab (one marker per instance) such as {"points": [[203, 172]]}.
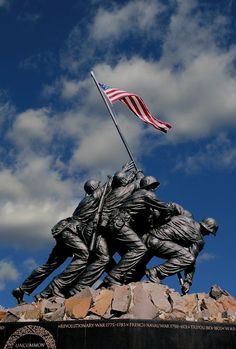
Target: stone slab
{"points": [[117, 334], [158, 296], [102, 302], [2, 314], [142, 308], [121, 299], [78, 306]]}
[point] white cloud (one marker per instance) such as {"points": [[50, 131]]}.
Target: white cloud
{"points": [[64, 87], [70, 89], [28, 17], [134, 21], [6, 107], [39, 61], [31, 126], [190, 33], [8, 272], [49, 90], [33, 197], [121, 21], [4, 3], [195, 101], [220, 153], [10, 187], [102, 147], [192, 85], [30, 264], [32, 221], [205, 257], [34, 194]]}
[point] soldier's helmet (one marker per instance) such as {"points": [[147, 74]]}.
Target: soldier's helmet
{"points": [[119, 179], [210, 225], [149, 182], [91, 185]]}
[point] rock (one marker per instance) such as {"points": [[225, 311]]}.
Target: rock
{"points": [[78, 306], [228, 303], [214, 308], [9, 317], [121, 299], [93, 317], [56, 315], [32, 314], [49, 305], [142, 308], [203, 315], [26, 311], [229, 316], [108, 314], [94, 293], [138, 300], [158, 296], [191, 304], [2, 314], [102, 302], [216, 292], [200, 297], [178, 304]]}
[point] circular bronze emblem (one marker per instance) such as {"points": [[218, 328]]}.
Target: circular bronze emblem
{"points": [[31, 337]]}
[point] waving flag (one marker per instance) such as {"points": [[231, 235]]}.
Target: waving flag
{"points": [[136, 105]]}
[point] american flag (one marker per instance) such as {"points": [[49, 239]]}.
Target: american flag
{"points": [[136, 105]]}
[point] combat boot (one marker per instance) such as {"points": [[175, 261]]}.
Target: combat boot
{"points": [[152, 275], [18, 294]]}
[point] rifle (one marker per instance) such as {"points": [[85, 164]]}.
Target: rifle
{"points": [[181, 282], [98, 215]]}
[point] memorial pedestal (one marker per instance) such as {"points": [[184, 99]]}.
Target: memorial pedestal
{"points": [[117, 334]]}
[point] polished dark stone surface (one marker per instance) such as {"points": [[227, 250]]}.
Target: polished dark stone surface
{"points": [[117, 334]]}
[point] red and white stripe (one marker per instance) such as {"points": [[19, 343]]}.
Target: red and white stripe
{"points": [[137, 106]]}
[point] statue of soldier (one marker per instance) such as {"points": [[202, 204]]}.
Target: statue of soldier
{"points": [[124, 225], [155, 220], [68, 244], [122, 186], [179, 241]]}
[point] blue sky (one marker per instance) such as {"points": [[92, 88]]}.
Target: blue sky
{"points": [[178, 55]]}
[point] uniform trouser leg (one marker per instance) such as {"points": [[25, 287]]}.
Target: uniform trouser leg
{"points": [[135, 251], [136, 274], [57, 257], [101, 260], [178, 257], [79, 250]]}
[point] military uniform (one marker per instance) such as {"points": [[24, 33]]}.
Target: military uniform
{"points": [[179, 241], [123, 186], [72, 237], [126, 225]]}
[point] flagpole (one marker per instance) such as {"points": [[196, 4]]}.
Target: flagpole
{"points": [[112, 114]]}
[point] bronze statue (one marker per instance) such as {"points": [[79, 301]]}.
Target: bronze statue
{"points": [[124, 216], [179, 241], [122, 186], [124, 226], [68, 243]]}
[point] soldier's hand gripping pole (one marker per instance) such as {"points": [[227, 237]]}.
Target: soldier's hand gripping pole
{"points": [[98, 215]]}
